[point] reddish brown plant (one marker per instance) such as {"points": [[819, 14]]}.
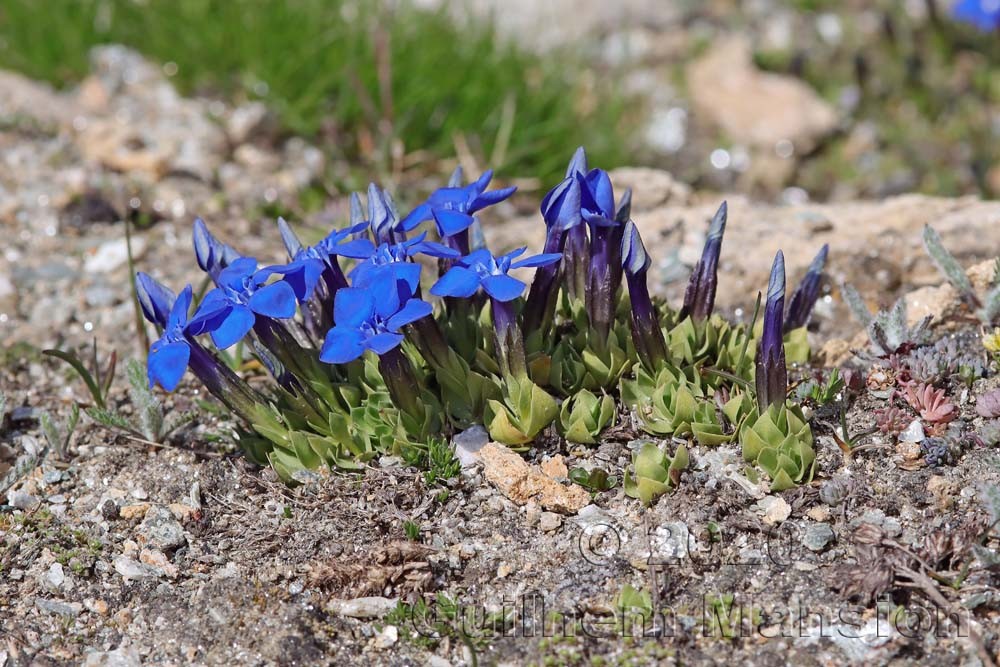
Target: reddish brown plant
{"points": [[932, 404]]}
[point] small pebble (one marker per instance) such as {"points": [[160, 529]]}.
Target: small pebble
{"points": [[817, 536]]}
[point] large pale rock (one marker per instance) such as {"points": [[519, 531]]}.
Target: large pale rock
{"points": [[24, 100], [753, 107], [876, 246], [523, 483]]}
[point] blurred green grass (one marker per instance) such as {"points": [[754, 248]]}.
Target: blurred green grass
{"points": [[370, 82]]}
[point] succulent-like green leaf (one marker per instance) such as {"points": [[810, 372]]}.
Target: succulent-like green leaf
{"points": [[779, 441], [653, 473], [583, 416], [524, 412]]}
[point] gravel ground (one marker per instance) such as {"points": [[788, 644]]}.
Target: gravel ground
{"points": [[126, 552]]}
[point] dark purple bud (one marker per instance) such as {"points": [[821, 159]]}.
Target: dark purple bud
{"points": [[576, 254], [541, 303], [646, 332], [699, 299], [804, 297], [771, 375]]}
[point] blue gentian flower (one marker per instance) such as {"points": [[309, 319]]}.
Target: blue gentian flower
{"points": [[597, 207], [452, 208], [309, 263], [395, 258], [369, 319], [983, 14], [481, 269], [175, 351], [229, 311], [212, 255], [771, 374], [169, 354]]}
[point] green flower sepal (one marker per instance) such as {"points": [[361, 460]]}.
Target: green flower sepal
{"points": [[735, 410], [779, 442], [583, 416], [525, 410], [653, 473]]}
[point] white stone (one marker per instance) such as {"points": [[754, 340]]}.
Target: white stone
{"points": [[112, 255]]}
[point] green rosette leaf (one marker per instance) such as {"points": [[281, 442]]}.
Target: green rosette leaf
{"points": [[524, 412], [583, 416], [779, 442], [653, 473]]}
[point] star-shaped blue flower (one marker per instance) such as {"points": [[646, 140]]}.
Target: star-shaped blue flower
{"points": [[229, 311], [169, 354], [984, 14], [394, 258], [481, 269], [369, 319], [308, 263], [452, 207]]}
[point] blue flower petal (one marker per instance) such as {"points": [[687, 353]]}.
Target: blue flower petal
{"points": [[411, 312], [383, 342], [274, 300], [342, 344], [543, 259], [418, 215], [233, 275], [451, 222], [355, 249], [980, 13], [233, 327], [491, 198], [212, 310], [409, 273], [458, 281], [167, 363], [482, 182], [386, 289], [481, 257], [179, 312], [155, 299], [599, 185], [561, 206], [352, 307], [503, 287], [433, 249]]}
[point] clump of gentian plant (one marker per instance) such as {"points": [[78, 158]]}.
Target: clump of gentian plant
{"points": [[370, 355]]}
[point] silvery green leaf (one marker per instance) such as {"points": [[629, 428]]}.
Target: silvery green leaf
{"points": [[856, 304], [147, 406], [990, 495], [948, 265]]}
